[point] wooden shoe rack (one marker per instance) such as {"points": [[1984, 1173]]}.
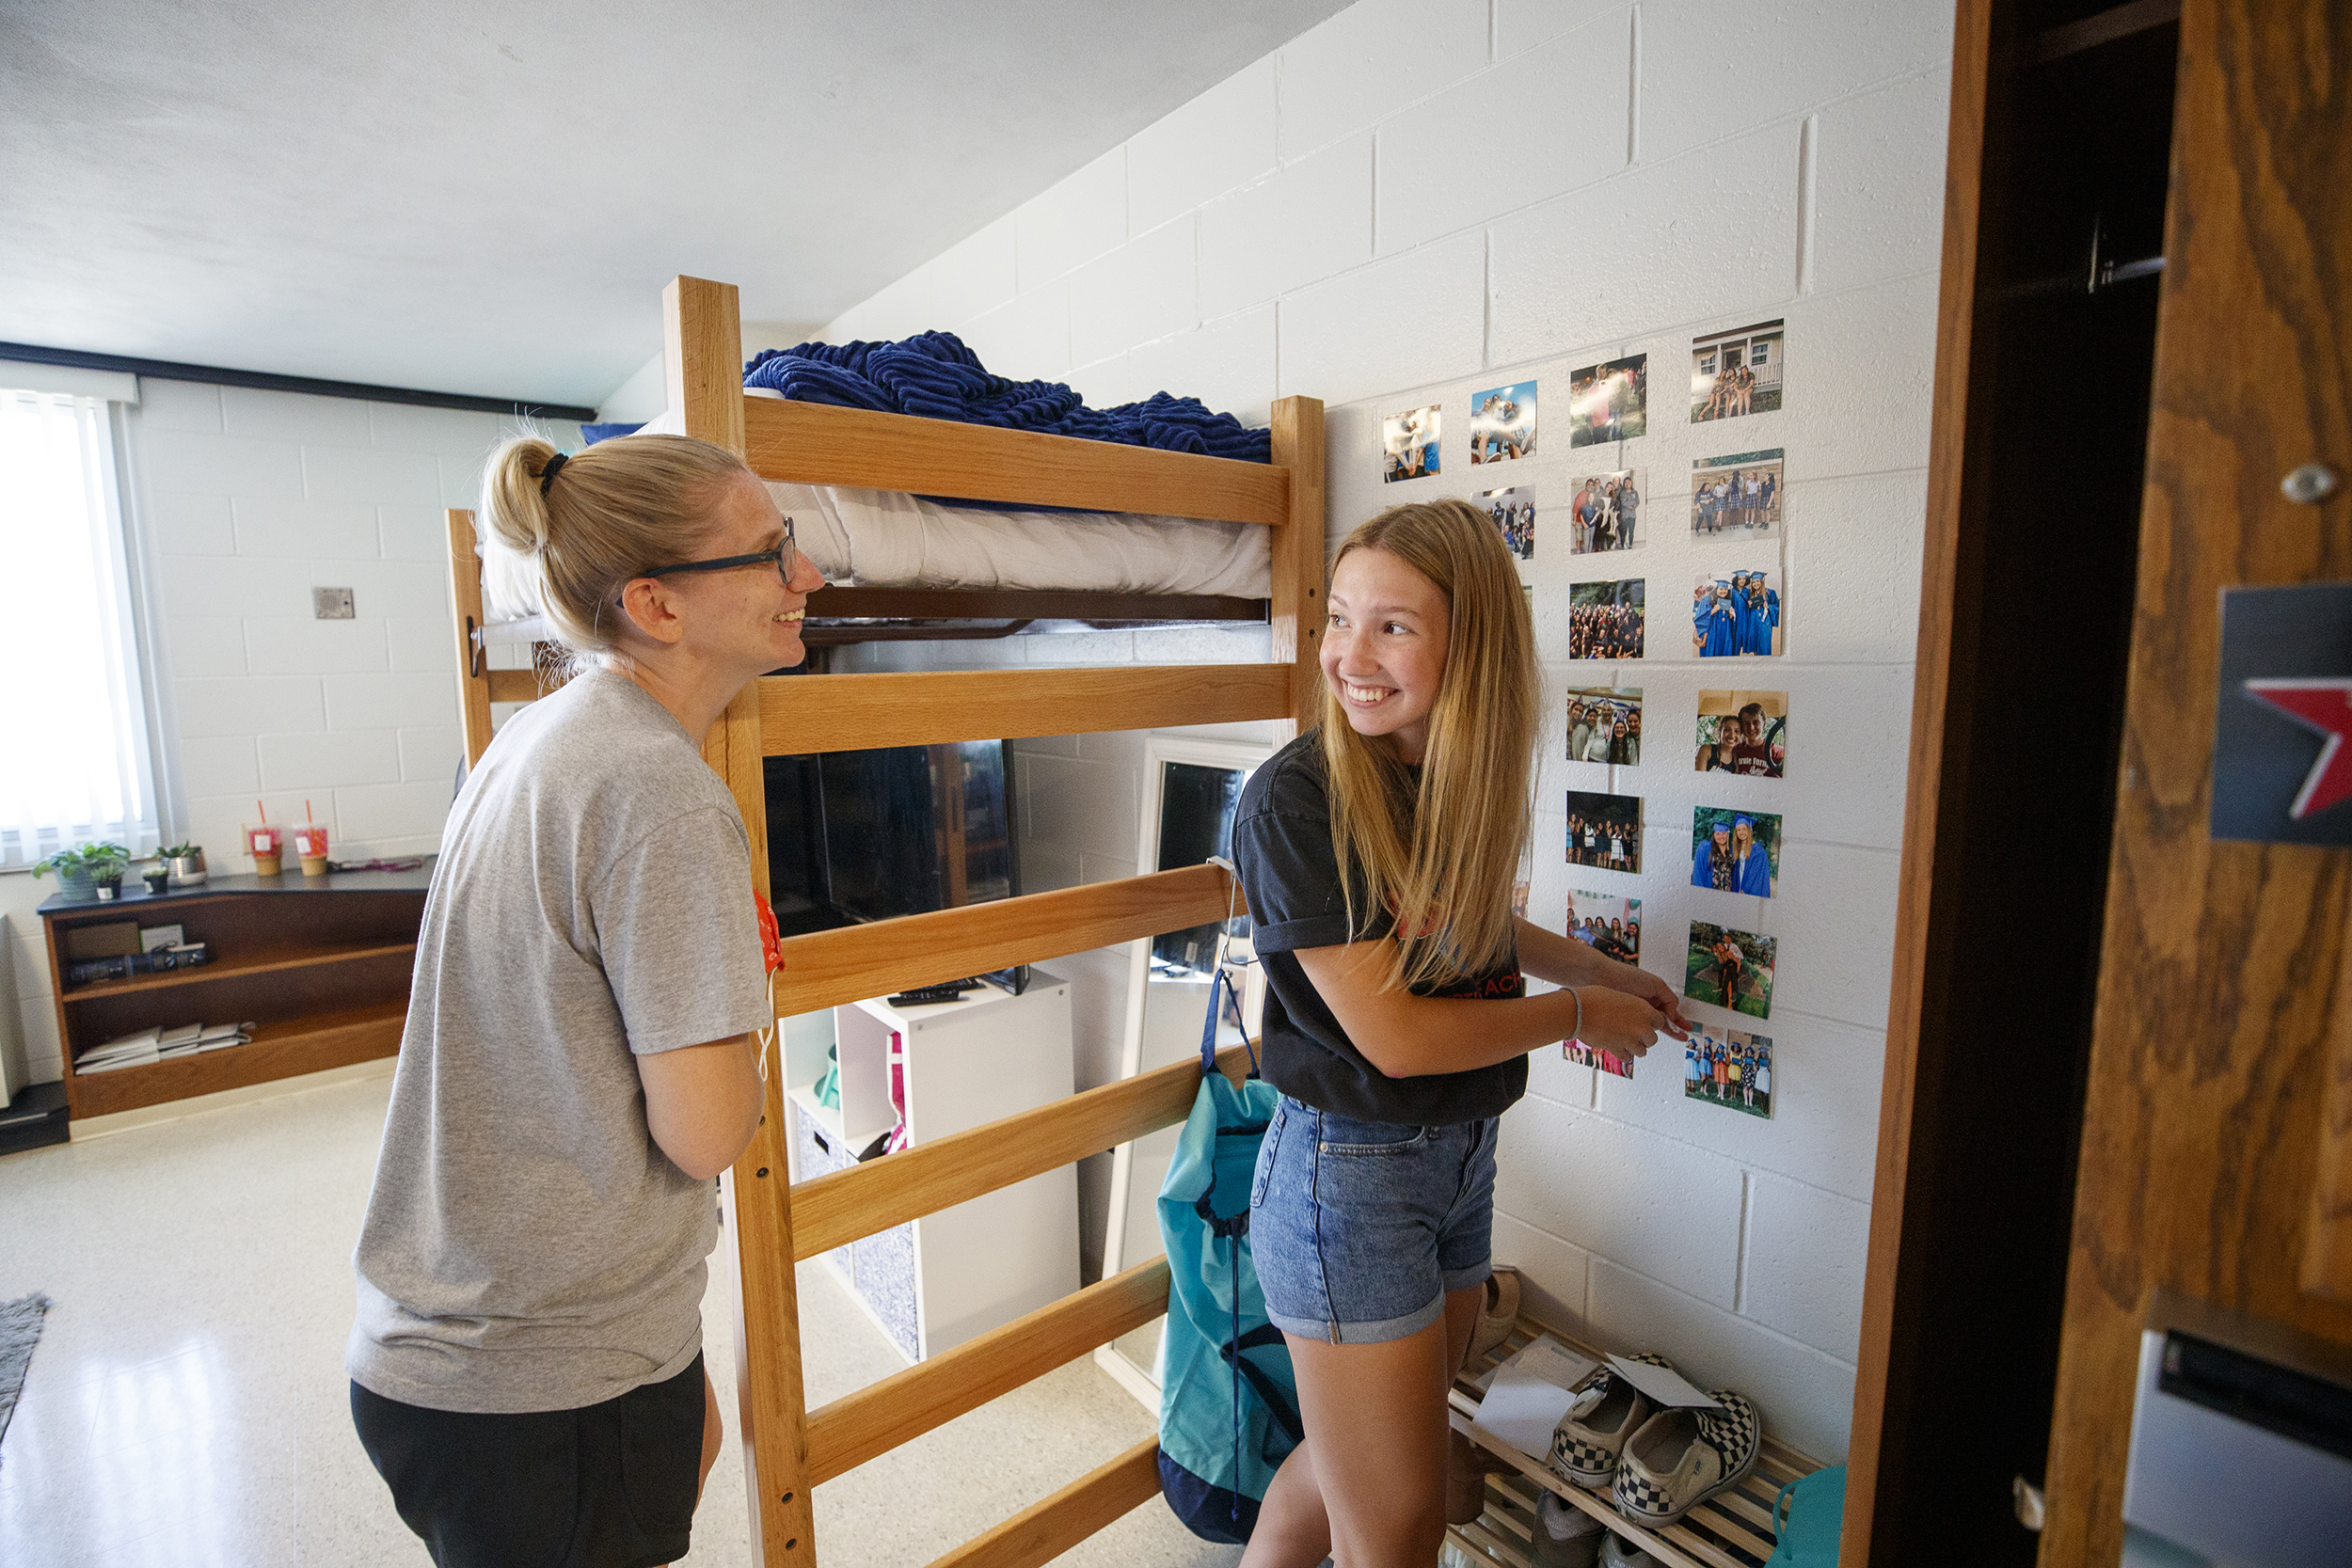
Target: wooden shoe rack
{"points": [[1731, 1529]]}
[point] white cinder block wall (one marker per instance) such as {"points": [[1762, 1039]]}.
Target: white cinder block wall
{"points": [[247, 499], [1421, 199]]}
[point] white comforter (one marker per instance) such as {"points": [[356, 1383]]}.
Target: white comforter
{"points": [[883, 538]]}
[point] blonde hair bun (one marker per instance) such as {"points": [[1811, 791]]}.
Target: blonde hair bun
{"points": [[563, 550]]}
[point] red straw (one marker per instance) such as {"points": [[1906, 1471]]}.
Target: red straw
{"points": [[306, 812], [264, 816]]}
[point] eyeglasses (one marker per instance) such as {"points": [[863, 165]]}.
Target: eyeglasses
{"points": [[783, 555]]}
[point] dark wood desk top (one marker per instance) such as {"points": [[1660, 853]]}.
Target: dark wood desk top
{"points": [[134, 896]]}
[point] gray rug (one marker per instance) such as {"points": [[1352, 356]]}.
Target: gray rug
{"points": [[20, 1331]]}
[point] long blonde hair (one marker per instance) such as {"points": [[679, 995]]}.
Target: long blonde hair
{"points": [[1441, 854], [564, 552]]}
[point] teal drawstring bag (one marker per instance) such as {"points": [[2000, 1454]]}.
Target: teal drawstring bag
{"points": [[1807, 1516], [1228, 1402]]}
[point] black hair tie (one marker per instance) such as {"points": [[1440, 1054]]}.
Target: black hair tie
{"points": [[547, 475]]}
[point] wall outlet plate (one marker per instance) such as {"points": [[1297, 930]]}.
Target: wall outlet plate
{"points": [[331, 604]]}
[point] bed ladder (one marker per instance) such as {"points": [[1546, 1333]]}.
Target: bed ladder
{"points": [[790, 1449]]}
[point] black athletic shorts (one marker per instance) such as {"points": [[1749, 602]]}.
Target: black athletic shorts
{"points": [[609, 1485]]}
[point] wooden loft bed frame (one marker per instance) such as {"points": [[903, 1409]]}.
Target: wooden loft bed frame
{"points": [[788, 1450]]}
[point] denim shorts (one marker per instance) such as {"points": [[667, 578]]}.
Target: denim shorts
{"points": [[1358, 1229]]}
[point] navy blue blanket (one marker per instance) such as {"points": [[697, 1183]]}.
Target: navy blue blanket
{"points": [[934, 376]]}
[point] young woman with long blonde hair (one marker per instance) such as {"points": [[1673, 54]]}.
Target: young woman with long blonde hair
{"points": [[1378, 853]]}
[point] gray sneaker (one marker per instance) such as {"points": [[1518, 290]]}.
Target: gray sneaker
{"points": [[1565, 1535]]}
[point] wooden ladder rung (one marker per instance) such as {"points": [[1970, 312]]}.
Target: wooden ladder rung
{"points": [[1045, 1529], [885, 1193], [801, 714], [825, 969], [899, 1409]]}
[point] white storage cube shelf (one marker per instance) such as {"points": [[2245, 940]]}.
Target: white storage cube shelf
{"points": [[934, 1283]]}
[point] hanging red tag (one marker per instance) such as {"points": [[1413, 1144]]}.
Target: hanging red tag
{"points": [[768, 950]]}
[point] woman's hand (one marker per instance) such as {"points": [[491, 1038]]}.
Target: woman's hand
{"points": [[1635, 981], [1618, 1021]]}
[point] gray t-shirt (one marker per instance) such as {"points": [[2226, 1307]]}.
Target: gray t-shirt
{"points": [[528, 1246]]}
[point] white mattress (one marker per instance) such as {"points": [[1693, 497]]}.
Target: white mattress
{"points": [[883, 538]]}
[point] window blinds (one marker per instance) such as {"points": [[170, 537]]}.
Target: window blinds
{"points": [[75, 766]]}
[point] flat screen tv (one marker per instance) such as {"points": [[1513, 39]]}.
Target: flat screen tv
{"points": [[854, 836]]}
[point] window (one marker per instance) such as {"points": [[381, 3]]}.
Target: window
{"points": [[80, 764]]}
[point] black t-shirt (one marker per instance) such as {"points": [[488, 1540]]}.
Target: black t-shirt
{"points": [[1282, 845]]}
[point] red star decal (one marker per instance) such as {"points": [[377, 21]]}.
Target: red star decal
{"points": [[2324, 704]]}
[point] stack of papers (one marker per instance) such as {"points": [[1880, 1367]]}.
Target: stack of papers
{"points": [[212, 1036], [144, 1046], [1529, 1393], [132, 1050]]}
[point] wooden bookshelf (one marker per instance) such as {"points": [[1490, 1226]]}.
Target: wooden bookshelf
{"points": [[319, 965]]}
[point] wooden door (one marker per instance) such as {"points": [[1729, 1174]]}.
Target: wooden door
{"points": [[2221, 1014]]}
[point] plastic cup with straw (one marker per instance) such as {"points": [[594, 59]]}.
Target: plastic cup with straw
{"points": [[310, 843], [265, 844]]}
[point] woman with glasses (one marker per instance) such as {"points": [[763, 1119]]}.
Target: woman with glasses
{"points": [[578, 1064]]}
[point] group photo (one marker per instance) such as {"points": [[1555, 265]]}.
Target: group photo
{"points": [[1737, 496], [1606, 511], [1409, 443], [1736, 614], [1605, 619], [1605, 724], [1729, 1068], [1728, 969], [1604, 830], [1609, 403], [1502, 423], [1606, 924], [1735, 852], [1744, 732], [1736, 373], [1513, 512]]}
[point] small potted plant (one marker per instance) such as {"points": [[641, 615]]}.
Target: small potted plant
{"points": [[92, 870], [187, 861]]}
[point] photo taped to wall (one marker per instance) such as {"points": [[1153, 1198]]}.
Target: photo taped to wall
{"points": [[1502, 423], [1513, 512], [1608, 924], [1736, 613], [1737, 496], [1743, 732], [1409, 443], [1730, 969], [1609, 402], [1736, 373], [1605, 511], [1604, 830], [1729, 1068], [1605, 724], [1735, 852], [1605, 619], [1593, 1056]]}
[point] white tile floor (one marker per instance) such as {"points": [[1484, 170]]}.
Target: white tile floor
{"points": [[188, 1404]]}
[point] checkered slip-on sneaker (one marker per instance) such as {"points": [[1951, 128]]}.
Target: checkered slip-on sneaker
{"points": [[1607, 1410], [1680, 1458]]}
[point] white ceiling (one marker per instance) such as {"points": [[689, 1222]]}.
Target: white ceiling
{"points": [[486, 197]]}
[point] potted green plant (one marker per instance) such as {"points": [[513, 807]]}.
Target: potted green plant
{"points": [[93, 870], [187, 861]]}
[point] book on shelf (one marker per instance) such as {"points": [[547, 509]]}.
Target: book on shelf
{"points": [[142, 1046], [122, 966]]}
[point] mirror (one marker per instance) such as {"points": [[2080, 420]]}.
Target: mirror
{"points": [[1194, 788]]}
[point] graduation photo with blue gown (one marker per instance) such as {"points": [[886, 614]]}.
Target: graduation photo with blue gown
{"points": [[1735, 852], [1736, 613]]}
